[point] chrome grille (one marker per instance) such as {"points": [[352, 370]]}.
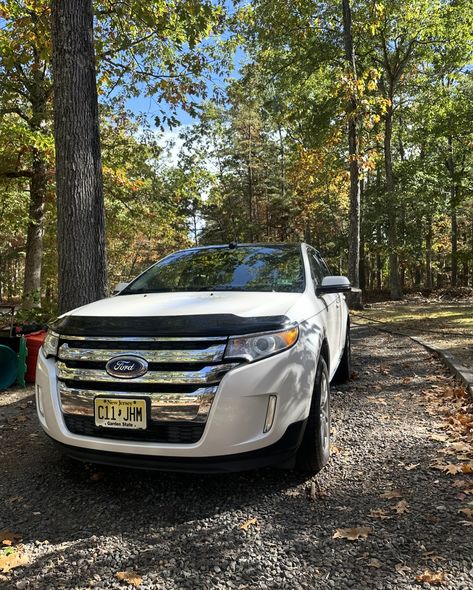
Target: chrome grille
{"points": [[181, 382], [206, 375]]}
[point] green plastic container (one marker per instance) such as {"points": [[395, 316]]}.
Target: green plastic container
{"points": [[8, 367]]}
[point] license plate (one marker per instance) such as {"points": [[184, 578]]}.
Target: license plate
{"points": [[113, 412]]}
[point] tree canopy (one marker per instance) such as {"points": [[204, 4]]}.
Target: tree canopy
{"points": [[262, 152]]}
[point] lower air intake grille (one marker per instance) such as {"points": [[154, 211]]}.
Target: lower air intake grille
{"points": [[158, 432]]}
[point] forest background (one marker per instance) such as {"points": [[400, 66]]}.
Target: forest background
{"points": [[344, 124]]}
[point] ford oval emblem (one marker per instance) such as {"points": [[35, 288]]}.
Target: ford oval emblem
{"points": [[126, 367]]}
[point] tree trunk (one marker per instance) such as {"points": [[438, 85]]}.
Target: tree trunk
{"points": [[34, 239], [465, 274], [454, 242], [355, 192], [39, 94], [81, 223], [394, 281], [282, 156], [250, 184], [453, 212], [417, 276]]}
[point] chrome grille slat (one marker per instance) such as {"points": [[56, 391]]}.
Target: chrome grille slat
{"points": [[164, 406], [213, 353], [211, 374]]}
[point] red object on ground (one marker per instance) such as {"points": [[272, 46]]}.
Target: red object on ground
{"points": [[34, 342]]}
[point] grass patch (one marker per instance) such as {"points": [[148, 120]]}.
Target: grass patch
{"points": [[434, 316]]}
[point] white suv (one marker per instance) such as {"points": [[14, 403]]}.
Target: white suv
{"points": [[214, 359]]}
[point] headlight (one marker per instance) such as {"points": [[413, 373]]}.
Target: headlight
{"points": [[258, 346], [50, 344]]}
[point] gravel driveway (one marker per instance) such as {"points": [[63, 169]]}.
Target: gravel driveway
{"points": [[80, 525]]}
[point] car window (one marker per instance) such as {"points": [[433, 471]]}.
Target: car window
{"points": [[244, 268], [323, 265], [315, 267]]}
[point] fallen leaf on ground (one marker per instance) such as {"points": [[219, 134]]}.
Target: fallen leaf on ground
{"points": [[250, 522], [96, 476], [21, 418], [12, 559], [401, 507], [390, 494], [460, 483], [375, 400], [130, 578], [451, 468], [461, 447], [401, 568], [411, 466], [12, 499], [438, 437], [431, 556], [468, 468], [8, 537], [379, 513], [292, 493], [353, 534], [428, 577], [335, 450], [373, 562], [468, 512]]}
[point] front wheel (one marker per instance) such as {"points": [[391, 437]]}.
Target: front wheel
{"points": [[314, 451]]}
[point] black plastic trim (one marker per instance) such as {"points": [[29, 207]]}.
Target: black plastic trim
{"points": [[281, 453], [197, 325], [324, 290]]}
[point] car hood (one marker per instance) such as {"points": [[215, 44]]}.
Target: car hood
{"points": [[244, 304]]}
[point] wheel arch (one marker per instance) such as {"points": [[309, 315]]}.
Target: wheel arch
{"points": [[325, 353]]}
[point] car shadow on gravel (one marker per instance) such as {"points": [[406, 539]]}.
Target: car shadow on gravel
{"points": [[184, 531]]}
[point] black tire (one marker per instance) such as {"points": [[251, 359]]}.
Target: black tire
{"points": [[343, 372], [314, 451]]}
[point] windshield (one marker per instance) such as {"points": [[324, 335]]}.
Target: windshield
{"points": [[244, 268]]}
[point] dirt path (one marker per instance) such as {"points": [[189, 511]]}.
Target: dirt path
{"points": [[80, 526]]}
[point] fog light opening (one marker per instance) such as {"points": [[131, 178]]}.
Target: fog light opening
{"points": [[270, 413], [39, 399]]}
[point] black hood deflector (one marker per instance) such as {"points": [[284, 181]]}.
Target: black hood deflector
{"points": [[196, 325]]}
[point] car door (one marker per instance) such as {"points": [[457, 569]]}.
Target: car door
{"points": [[341, 308], [332, 306]]}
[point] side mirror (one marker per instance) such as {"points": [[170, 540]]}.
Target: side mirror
{"points": [[333, 285], [119, 288]]}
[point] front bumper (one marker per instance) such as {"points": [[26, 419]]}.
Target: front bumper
{"points": [[282, 453], [233, 433]]}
